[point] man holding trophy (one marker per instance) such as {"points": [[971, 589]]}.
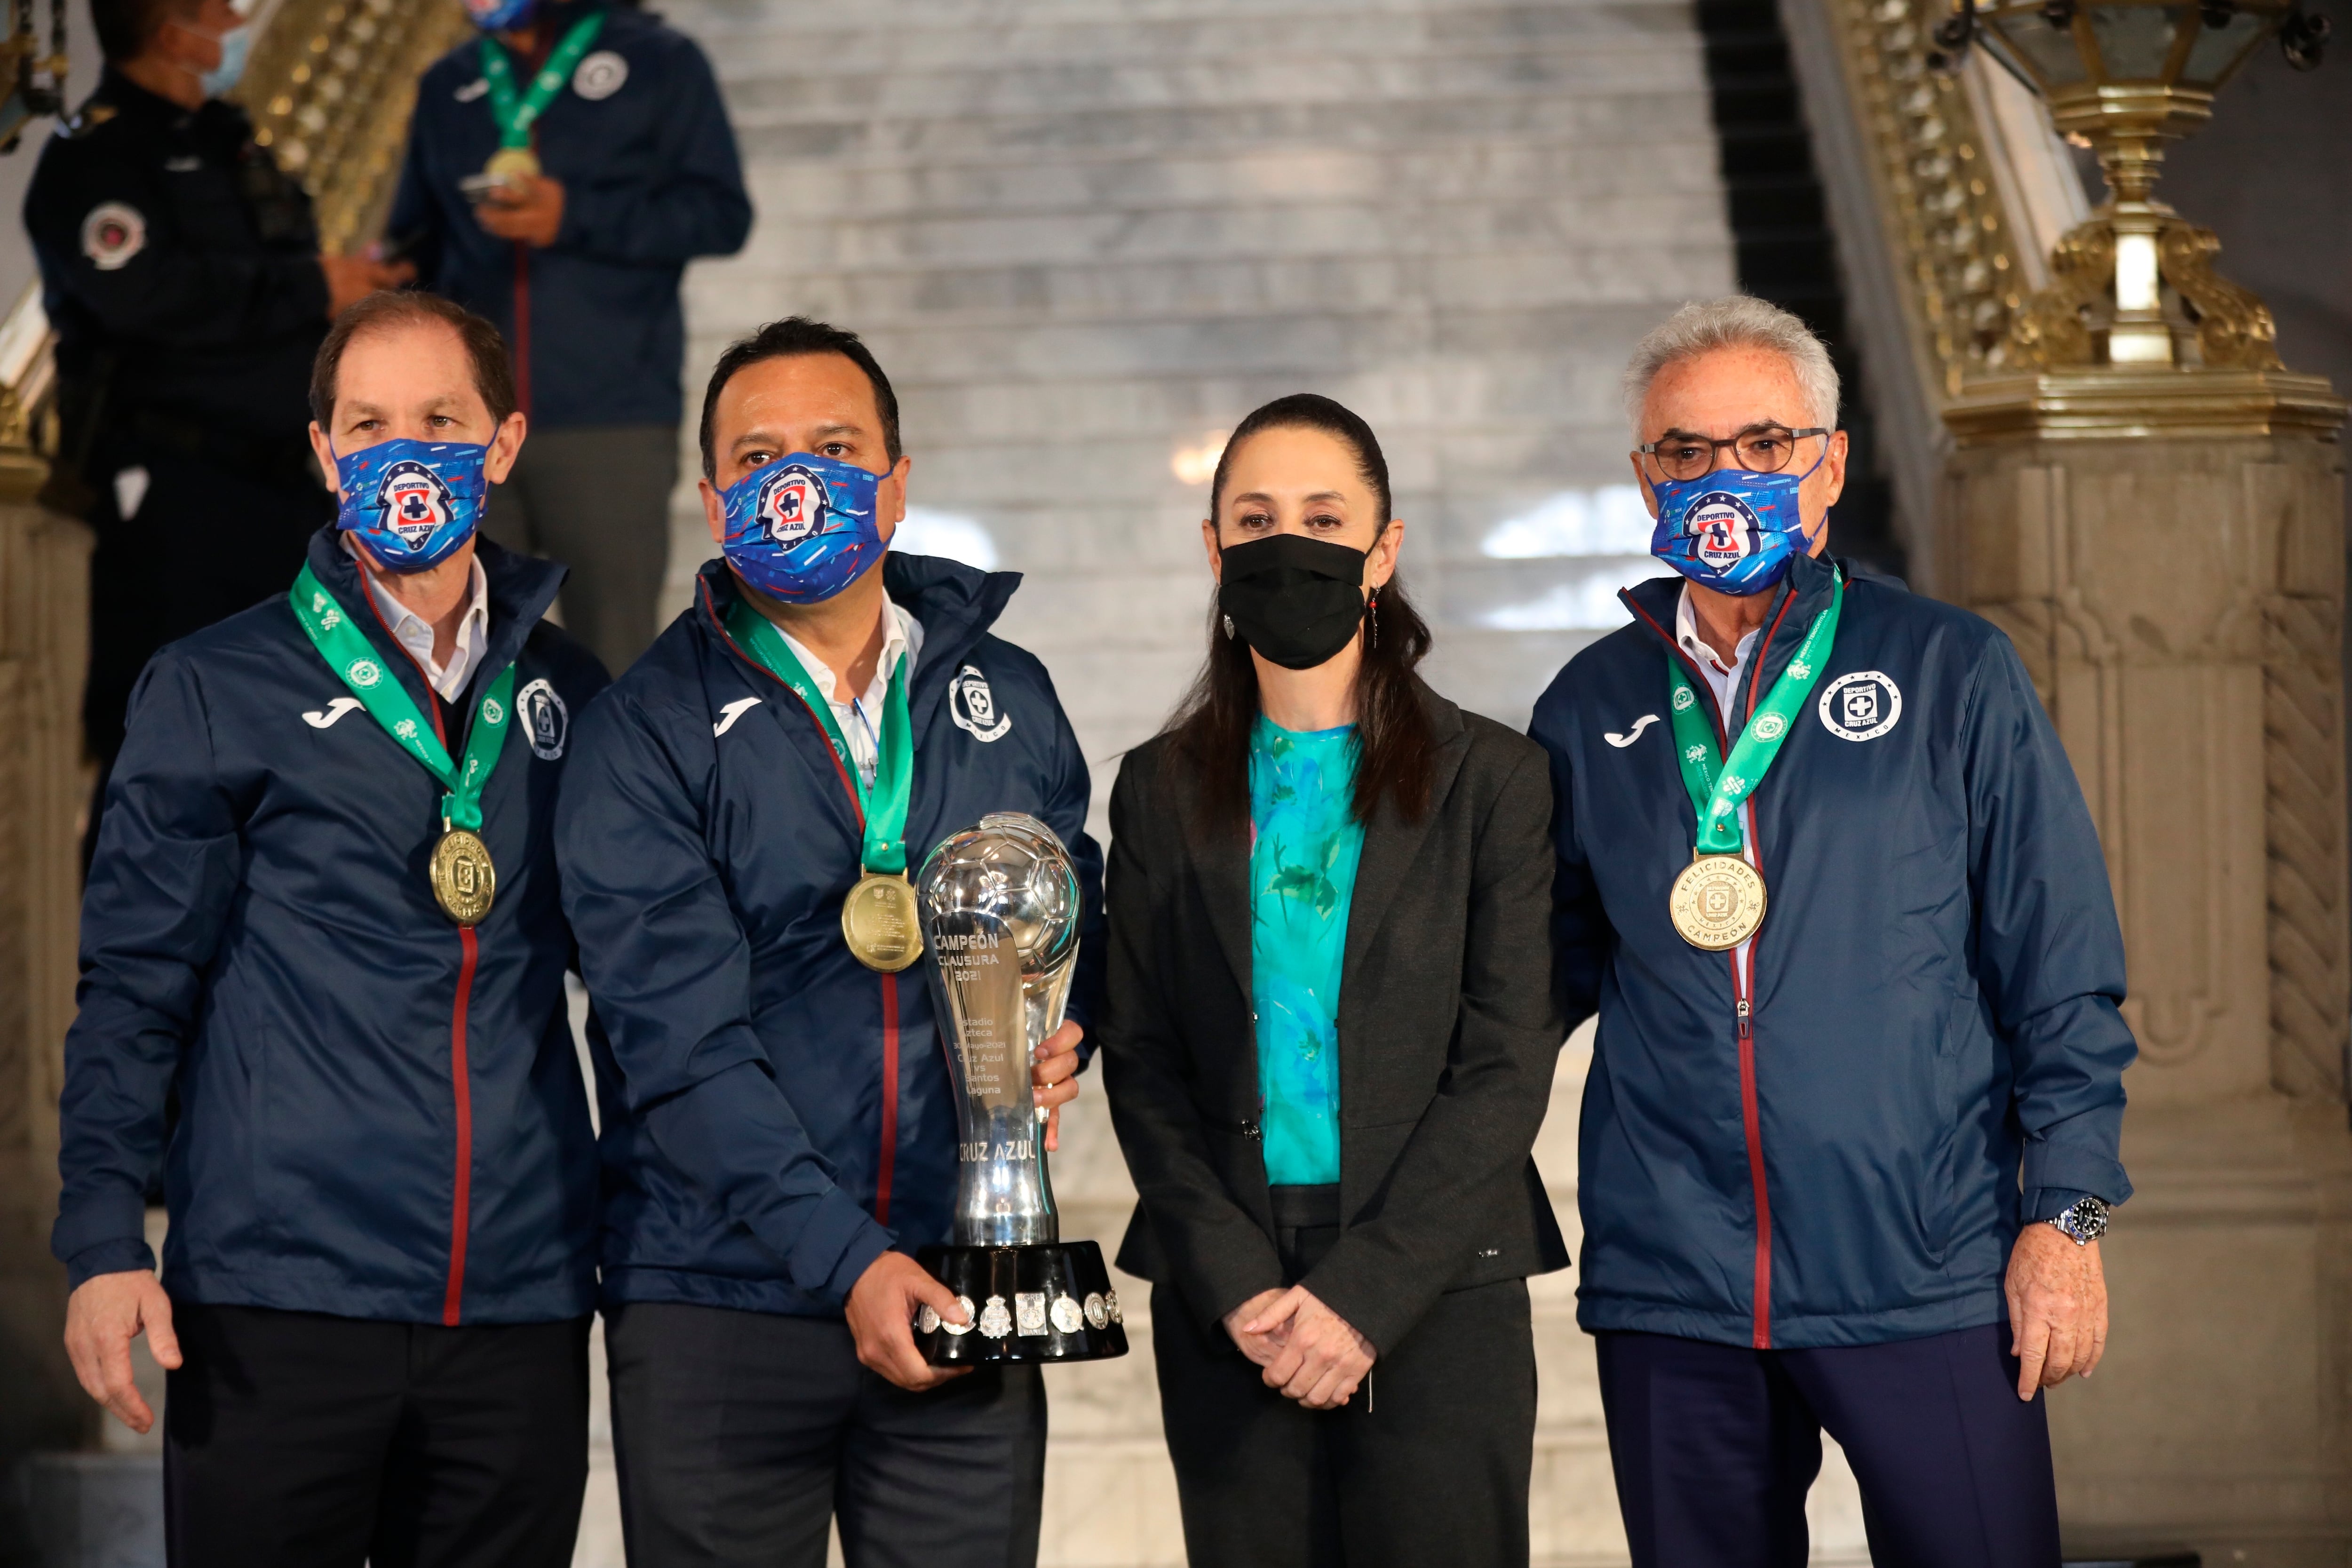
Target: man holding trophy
{"points": [[781, 1130]]}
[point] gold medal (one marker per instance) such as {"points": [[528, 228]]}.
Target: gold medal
{"points": [[1717, 903], [512, 165], [464, 879], [877, 921]]}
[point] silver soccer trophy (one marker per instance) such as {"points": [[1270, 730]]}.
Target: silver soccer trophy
{"points": [[1000, 907]]}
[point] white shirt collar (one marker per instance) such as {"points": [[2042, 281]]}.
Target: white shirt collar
{"points": [[860, 716], [413, 632], [1687, 633], [902, 637]]}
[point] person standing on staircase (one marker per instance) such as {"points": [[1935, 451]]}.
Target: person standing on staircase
{"points": [[1851, 1131], [780, 1131], [1327, 1042], [323, 913], [562, 168], [181, 270]]}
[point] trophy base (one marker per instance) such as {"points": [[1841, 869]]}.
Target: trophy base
{"points": [[1052, 1302]]}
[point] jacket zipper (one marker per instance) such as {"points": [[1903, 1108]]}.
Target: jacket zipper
{"points": [[887, 1158], [461, 1085], [1743, 985]]}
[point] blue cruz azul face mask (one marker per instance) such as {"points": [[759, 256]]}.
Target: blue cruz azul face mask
{"points": [[500, 16], [801, 529], [1732, 531], [413, 504]]}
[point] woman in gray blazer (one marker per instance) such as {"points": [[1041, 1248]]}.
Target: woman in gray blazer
{"points": [[1329, 1042]]}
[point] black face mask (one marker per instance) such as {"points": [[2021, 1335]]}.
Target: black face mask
{"points": [[1295, 600]]}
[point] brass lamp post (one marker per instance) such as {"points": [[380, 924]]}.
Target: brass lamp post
{"points": [[2126, 76]]}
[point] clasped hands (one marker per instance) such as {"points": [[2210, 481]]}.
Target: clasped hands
{"points": [[1309, 1352], [883, 1303]]}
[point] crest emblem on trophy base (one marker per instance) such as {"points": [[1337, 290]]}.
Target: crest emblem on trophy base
{"points": [[1000, 907]]}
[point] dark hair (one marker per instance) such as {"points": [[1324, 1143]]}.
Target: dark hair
{"points": [[388, 310], [1395, 746], [125, 28], [792, 338]]}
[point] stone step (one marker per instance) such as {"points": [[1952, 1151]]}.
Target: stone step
{"points": [[1239, 78], [1632, 120], [1080, 180], [1034, 38]]}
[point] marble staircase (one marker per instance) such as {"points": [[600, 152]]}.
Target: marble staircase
{"points": [[1085, 237]]}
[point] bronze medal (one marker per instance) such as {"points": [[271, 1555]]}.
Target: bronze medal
{"points": [[877, 921], [464, 878], [1717, 903]]}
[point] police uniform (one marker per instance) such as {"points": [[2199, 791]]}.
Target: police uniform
{"points": [[180, 268]]}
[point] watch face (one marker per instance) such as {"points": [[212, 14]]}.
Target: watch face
{"points": [[2086, 1220]]}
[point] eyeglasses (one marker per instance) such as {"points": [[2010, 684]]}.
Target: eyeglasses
{"points": [[1765, 449]]}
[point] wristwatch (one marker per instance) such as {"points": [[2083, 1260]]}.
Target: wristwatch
{"points": [[2082, 1223]]}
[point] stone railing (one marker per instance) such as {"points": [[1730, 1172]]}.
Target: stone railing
{"points": [[330, 89], [44, 784]]}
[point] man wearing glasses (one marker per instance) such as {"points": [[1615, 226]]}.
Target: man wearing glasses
{"points": [[1827, 878]]}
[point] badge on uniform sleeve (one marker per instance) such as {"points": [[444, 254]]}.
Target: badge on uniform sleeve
{"points": [[113, 234], [600, 75]]}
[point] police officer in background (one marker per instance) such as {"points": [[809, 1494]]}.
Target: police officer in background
{"points": [[563, 166], [182, 271]]}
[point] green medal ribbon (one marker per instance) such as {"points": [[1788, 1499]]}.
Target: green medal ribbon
{"points": [[516, 113], [352, 657], [884, 801], [1717, 788]]}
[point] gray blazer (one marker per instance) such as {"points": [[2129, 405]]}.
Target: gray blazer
{"points": [[1448, 1037]]}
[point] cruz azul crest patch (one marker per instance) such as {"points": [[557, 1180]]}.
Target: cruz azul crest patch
{"points": [[1861, 706], [1723, 529], [600, 75], [415, 501], [545, 720], [793, 505], [973, 706]]}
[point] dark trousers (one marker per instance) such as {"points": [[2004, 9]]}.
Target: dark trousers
{"points": [[1716, 1445], [739, 1435], [1429, 1463], [597, 500], [295, 1440]]}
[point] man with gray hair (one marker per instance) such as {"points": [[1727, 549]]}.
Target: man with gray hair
{"points": [[1828, 879]]}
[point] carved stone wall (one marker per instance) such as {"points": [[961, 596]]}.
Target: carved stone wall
{"points": [[2178, 600]]}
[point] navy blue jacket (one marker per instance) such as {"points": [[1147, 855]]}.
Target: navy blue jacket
{"points": [[650, 180], [381, 1114], [1933, 1011], [775, 1114]]}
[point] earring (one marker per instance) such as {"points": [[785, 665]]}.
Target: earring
{"points": [[1229, 629], [1373, 613]]}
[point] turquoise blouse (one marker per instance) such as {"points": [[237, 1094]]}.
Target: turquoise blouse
{"points": [[1304, 849]]}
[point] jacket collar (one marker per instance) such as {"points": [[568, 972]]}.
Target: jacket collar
{"points": [[1802, 595], [1391, 845], [521, 588], [215, 117], [956, 604]]}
